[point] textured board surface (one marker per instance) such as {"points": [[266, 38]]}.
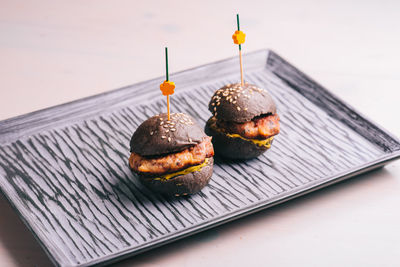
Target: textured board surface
{"points": [[65, 169]]}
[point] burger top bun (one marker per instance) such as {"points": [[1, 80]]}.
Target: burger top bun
{"points": [[237, 103], [157, 136]]}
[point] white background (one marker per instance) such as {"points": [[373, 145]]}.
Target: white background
{"points": [[52, 52]]}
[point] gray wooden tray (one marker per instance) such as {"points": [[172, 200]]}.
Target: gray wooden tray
{"points": [[65, 169]]}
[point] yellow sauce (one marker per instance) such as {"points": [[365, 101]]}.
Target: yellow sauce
{"points": [[266, 142], [168, 176]]}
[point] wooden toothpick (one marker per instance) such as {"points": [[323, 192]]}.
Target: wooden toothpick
{"points": [[167, 77], [167, 87], [240, 52], [238, 38]]}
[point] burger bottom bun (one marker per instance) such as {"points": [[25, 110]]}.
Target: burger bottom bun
{"points": [[231, 147], [180, 185]]}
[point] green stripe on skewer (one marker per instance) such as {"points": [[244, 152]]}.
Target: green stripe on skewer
{"points": [[238, 28], [166, 64]]}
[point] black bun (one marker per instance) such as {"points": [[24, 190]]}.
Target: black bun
{"points": [[231, 147], [187, 184], [237, 103], [158, 136]]}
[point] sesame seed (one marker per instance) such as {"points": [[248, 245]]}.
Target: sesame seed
{"points": [[167, 131], [169, 139], [238, 108], [151, 133], [163, 137], [190, 139], [161, 119], [177, 195], [161, 123], [234, 102], [245, 108], [173, 130], [185, 194]]}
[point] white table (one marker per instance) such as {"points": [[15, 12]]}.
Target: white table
{"points": [[52, 52]]}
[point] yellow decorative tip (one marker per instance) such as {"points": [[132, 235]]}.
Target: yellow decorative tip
{"points": [[238, 37], [167, 87]]}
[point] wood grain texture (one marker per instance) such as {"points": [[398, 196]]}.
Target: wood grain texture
{"points": [[65, 168]]}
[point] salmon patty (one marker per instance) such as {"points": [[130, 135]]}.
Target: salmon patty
{"points": [[261, 127], [174, 162]]}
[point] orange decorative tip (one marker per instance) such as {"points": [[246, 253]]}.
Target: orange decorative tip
{"points": [[238, 37], [167, 87]]}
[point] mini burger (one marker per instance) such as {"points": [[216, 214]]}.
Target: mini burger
{"points": [[244, 121], [172, 157]]}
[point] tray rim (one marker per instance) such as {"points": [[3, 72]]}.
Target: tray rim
{"points": [[339, 100], [58, 257]]}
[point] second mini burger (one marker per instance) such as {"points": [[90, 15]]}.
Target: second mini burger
{"points": [[244, 121]]}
